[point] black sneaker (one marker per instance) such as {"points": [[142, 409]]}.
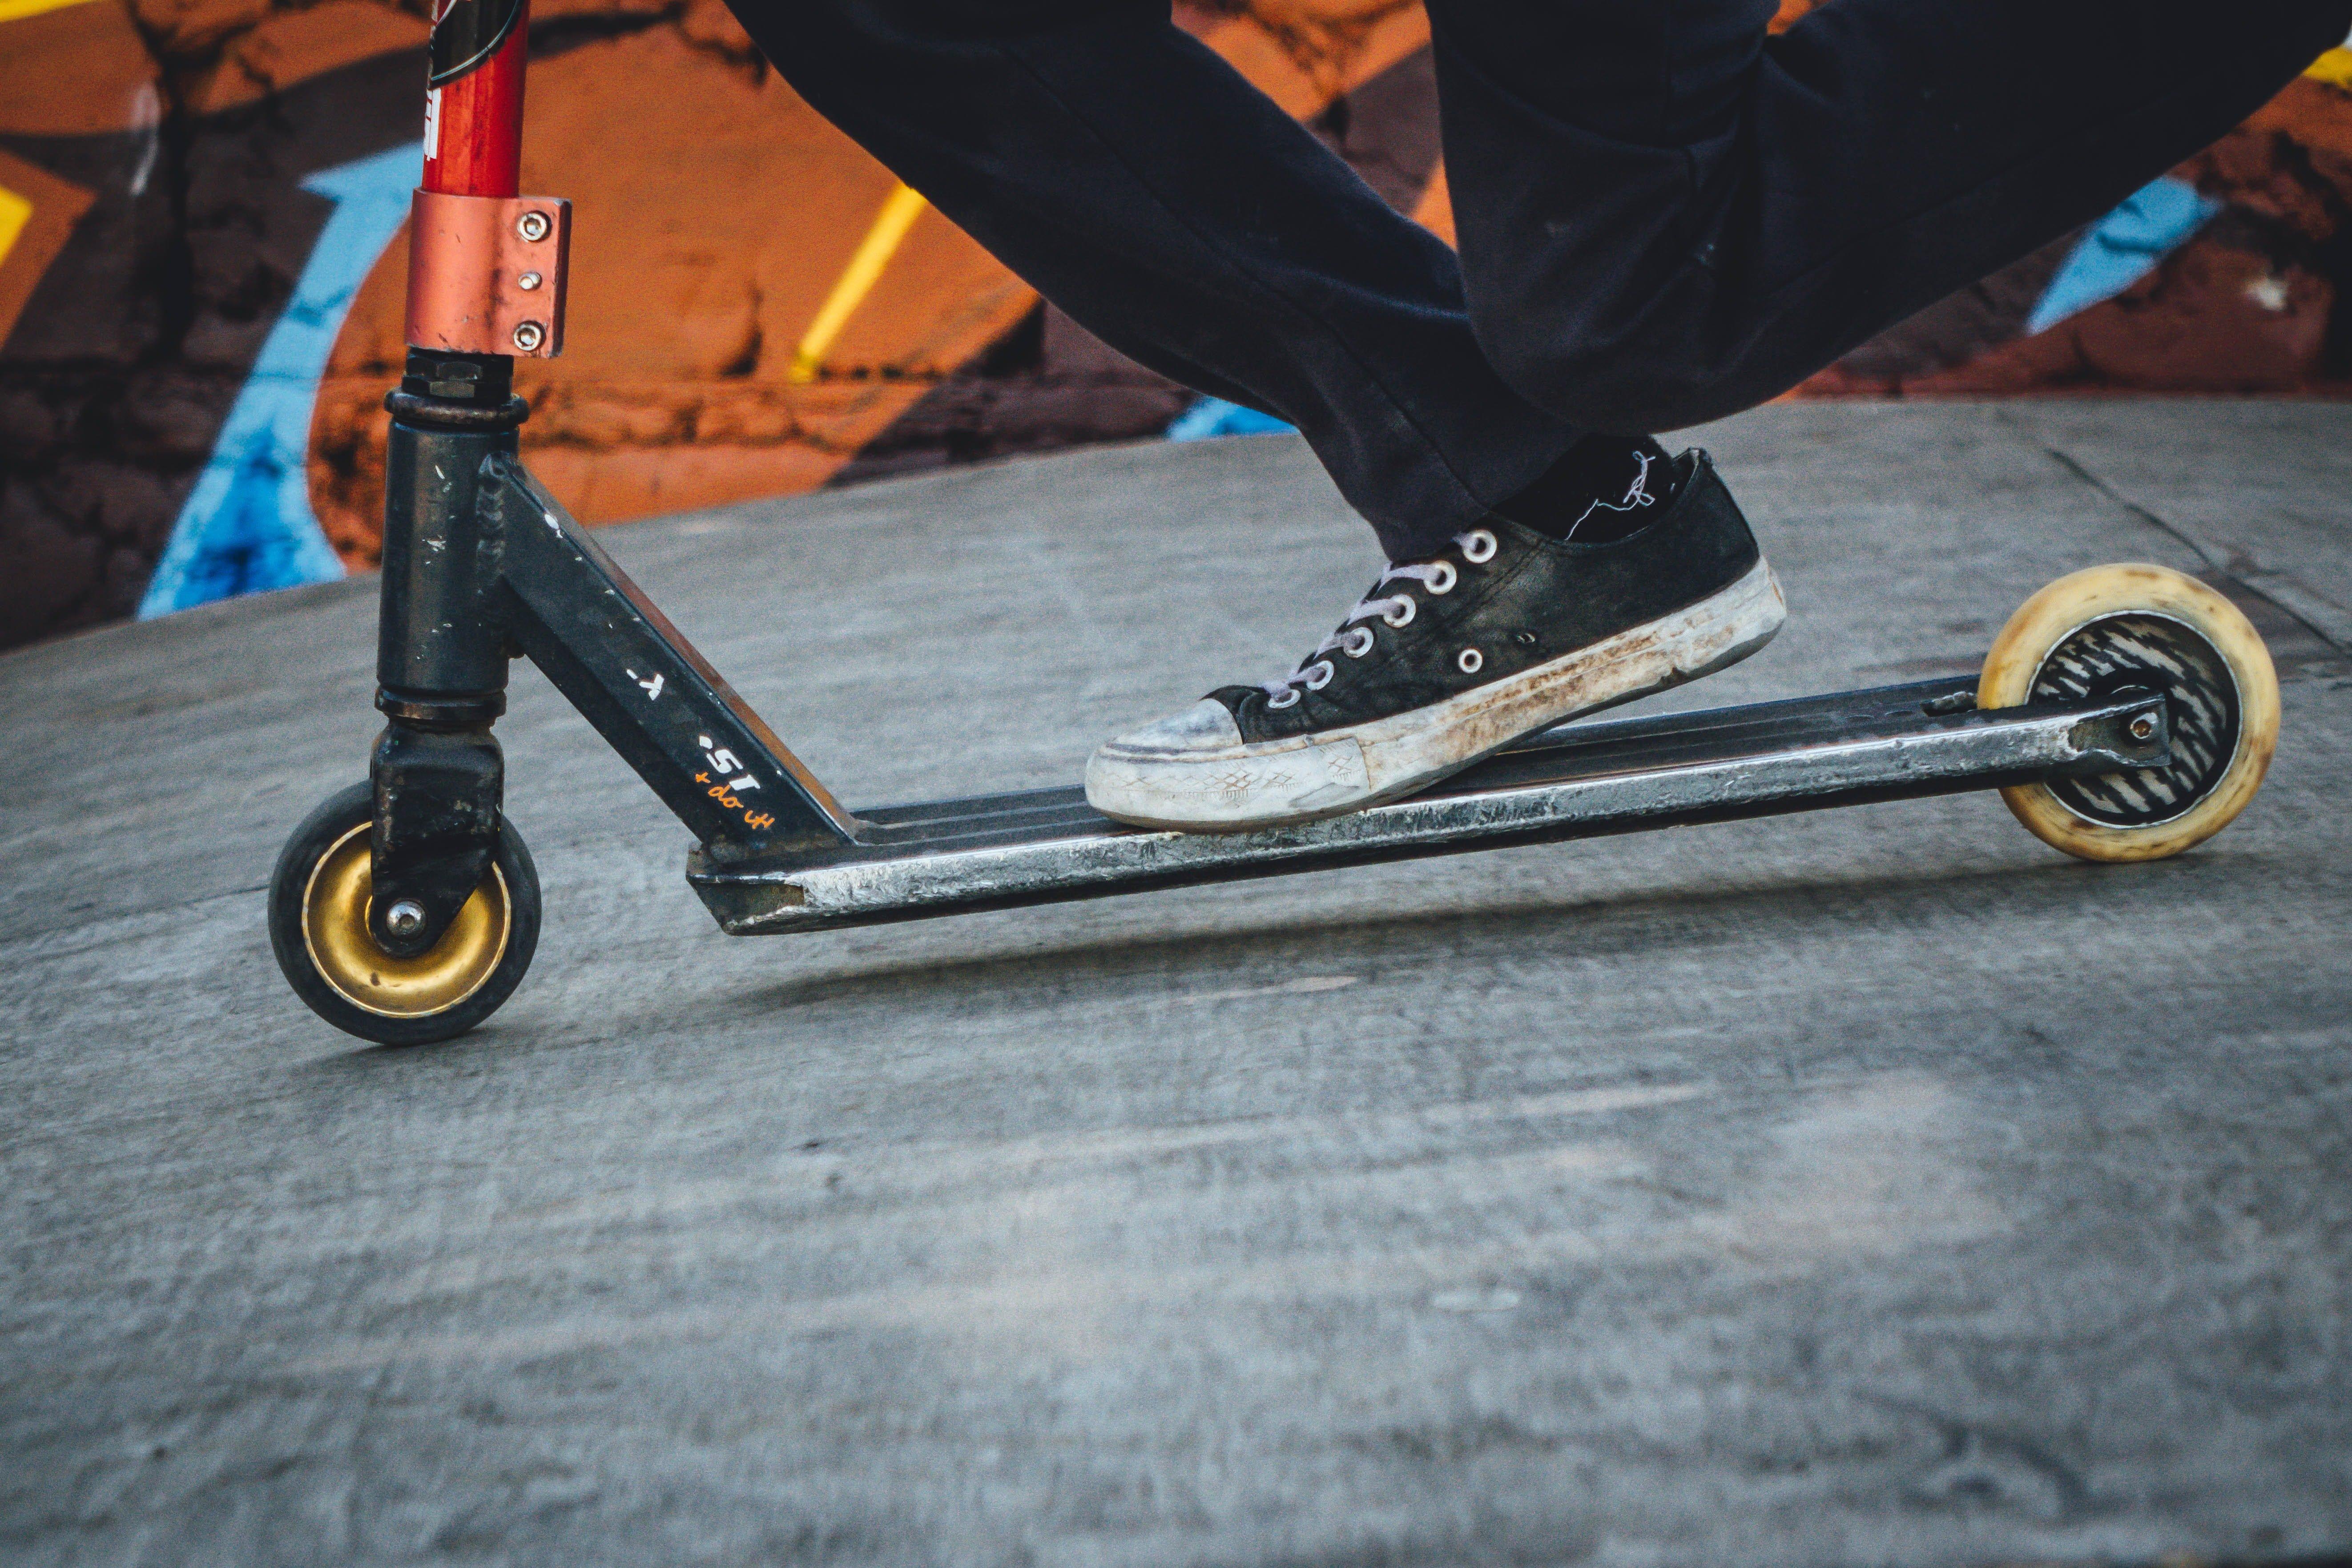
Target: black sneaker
{"points": [[1451, 658]]}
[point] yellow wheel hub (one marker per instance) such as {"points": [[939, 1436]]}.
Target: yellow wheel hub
{"points": [[335, 930]]}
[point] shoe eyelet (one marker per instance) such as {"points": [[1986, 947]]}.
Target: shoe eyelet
{"points": [[1442, 578], [1525, 639], [1478, 547], [1403, 613], [1358, 642], [1319, 674], [1289, 699], [1471, 661]]}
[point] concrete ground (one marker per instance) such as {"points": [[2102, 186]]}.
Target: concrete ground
{"points": [[1874, 1186]]}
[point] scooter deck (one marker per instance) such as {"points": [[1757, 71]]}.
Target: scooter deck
{"points": [[1578, 780]]}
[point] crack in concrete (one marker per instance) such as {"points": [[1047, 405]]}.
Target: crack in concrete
{"points": [[2289, 597]]}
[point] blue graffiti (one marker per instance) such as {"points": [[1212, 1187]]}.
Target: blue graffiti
{"points": [[1215, 417], [2123, 247], [248, 525]]}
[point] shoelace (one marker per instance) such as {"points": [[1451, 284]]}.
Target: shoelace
{"points": [[1436, 577], [1637, 494]]}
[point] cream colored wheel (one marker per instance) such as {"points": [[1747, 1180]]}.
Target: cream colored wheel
{"points": [[2109, 629]]}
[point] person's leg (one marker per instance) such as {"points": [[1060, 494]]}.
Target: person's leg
{"points": [[1666, 217], [1145, 188]]}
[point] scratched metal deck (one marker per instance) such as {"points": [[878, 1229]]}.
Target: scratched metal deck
{"points": [[1579, 780]]}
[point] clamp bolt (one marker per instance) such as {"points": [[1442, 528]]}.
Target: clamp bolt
{"points": [[405, 918], [529, 335], [2143, 727], [534, 226], [528, 282]]}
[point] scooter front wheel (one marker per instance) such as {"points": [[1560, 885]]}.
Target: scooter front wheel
{"points": [[2110, 630], [319, 900]]}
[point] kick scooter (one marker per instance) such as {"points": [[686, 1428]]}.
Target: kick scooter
{"points": [[2126, 712]]}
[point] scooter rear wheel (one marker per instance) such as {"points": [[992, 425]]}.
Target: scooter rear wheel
{"points": [[319, 900], [2109, 629]]}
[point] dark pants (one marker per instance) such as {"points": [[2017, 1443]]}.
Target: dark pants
{"points": [[1665, 214]]}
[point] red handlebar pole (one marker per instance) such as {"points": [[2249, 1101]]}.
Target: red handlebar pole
{"points": [[473, 120], [486, 266]]}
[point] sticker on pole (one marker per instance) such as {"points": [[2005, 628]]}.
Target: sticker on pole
{"points": [[466, 33]]}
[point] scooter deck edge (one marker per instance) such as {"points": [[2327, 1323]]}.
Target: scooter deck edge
{"points": [[1581, 779]]}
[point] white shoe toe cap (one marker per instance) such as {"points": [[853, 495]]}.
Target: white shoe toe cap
{"points": [[1206, 726]]}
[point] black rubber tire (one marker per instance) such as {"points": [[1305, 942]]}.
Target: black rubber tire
{"points": [[319, 833]]}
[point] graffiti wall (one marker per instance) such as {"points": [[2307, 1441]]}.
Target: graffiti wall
{"points": [[202, 255]]}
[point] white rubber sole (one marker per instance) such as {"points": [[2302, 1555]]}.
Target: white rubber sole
{"points": [[1182, 778]]}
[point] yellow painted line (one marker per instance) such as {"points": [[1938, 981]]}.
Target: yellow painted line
{"points": [[899, 211], [15, 211], [17, 10], [2334, 68]]}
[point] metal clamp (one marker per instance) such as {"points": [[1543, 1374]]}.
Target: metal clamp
{"points": [[487, 274]]}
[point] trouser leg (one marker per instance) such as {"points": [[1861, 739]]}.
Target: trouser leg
{"points": [[1144, 187], [1665, 217]]}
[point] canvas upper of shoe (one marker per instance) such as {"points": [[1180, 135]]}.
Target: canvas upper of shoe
{"points": [[1511, 599]]}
